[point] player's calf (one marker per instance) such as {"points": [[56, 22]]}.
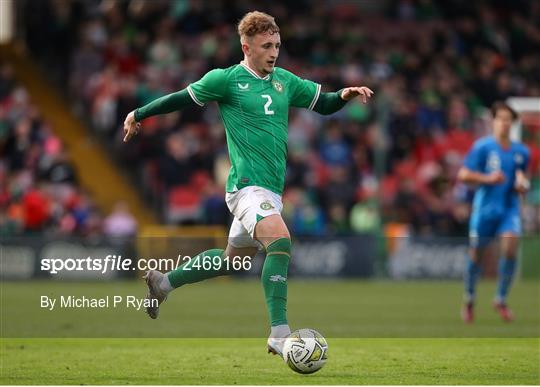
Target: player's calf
{"points": [[506, 271], [471, 275]]}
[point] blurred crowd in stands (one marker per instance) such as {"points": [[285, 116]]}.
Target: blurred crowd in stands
{"points": [[39, 189], [435, 67]]}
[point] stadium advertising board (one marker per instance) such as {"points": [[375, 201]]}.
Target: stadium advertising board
{"points": [[428, 257]]}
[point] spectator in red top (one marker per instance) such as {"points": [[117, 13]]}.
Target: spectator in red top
{"points": [[36, 210]]}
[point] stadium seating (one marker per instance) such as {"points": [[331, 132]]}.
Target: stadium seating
{"points": [[40, 192]]}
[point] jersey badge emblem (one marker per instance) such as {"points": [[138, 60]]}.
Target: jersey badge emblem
{"points": [[243, 87], [278, 86]]}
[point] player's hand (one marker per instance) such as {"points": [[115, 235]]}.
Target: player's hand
{"points": [[495, 178], [131, 127], [522, 184], [351, 92]]}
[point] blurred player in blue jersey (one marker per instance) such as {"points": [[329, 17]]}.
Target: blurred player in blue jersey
{"points": [[497, 166]]}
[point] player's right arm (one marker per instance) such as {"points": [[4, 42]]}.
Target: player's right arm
{"points": [[471, 177], [211, 87], [163, 105], [471, 171]]}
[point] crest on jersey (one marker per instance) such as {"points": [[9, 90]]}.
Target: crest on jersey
{"points": [[278, 86], [518, 158], [493, 162]]}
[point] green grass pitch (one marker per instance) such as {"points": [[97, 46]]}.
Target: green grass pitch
{"points": [[214, 333]]}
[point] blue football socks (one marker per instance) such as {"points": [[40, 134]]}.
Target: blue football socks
{"points": [[472, 272], [506, 274]]}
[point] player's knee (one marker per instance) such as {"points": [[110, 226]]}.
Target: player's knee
{"points": [[509, 246], [510, 254], [473, 255], [270, 229], [232, 251]]}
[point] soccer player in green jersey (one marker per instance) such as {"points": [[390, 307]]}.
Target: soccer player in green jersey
{"points": [[254, 99]]}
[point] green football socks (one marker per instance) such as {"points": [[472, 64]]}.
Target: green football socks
{"points": [[274, 279], [195, 269]]}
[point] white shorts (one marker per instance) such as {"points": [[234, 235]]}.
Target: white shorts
{"points": [[249, 205]]}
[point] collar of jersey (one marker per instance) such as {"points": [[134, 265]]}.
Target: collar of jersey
{"points": [[253, 72]]}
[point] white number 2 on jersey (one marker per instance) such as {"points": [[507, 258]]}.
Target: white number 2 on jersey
{"points": [[267, 104]]}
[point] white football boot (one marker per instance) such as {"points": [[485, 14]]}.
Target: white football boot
{"points": [[277, 338], [153, 279], [275, 345]]}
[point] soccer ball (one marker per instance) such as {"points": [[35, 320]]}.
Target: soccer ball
{"points": [[305, 351]]}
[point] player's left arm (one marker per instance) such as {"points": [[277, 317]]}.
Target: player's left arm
{"points": [[522, 183], [329, 103], [307, 94]]}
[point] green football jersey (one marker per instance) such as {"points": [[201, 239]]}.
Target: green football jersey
{"points": [[255, 113]]}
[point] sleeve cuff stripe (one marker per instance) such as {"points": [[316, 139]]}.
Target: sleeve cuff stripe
{"points": [[315, 98], [193, 97]]}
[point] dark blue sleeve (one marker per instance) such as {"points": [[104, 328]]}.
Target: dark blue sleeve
{"points": [[525, 163], [475, 158]]}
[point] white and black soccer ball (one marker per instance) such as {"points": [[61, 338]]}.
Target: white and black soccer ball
{"points": [[305, 351]]}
